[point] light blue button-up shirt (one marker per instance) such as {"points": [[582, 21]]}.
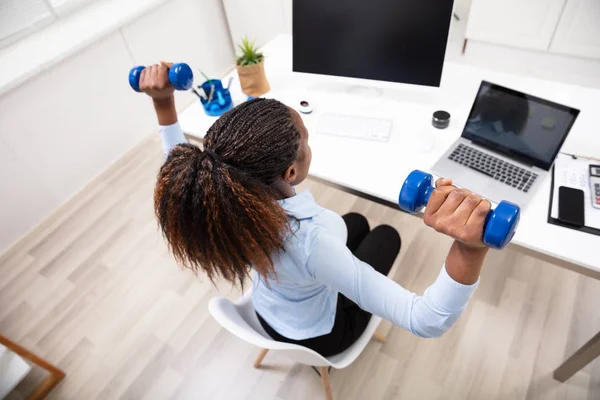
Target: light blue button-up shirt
{"points": [[316, 265]]}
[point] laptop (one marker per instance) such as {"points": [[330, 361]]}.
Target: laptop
{"points": [[508, 144]]}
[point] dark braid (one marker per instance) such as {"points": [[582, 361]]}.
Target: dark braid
{"points": [[217, 208], [258, 137]]}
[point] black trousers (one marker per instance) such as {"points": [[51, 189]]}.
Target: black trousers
{"points": [[378, 248]]}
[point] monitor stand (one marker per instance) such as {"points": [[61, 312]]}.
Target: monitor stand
{"points": [[427, 96], [365, 92]]}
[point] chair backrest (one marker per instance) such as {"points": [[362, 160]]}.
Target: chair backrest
{"points": [[240, 319]]}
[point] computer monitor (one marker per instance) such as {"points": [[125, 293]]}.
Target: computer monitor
{"points": [[388, 40]]}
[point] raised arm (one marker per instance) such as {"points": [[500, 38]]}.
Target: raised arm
{"points": [[452, 211], [154, 81], [430, 315]]}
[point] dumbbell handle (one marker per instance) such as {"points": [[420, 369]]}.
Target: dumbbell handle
{"points": [[180, 76]]}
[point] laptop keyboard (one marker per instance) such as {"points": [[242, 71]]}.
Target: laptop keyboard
{"points": [[507, 173]]}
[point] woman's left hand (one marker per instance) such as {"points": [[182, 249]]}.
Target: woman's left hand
{"points": [[458, 213]]}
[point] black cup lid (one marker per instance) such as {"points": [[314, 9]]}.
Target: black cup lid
{"points": [[441, 115]]}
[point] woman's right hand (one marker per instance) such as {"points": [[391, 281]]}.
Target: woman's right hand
{"points": [[458, 213], [154, 81]]}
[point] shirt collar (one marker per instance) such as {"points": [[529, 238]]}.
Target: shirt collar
{"points": [[301, 206]]}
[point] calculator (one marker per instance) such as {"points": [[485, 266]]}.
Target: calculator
{"points": [[595, 185]]}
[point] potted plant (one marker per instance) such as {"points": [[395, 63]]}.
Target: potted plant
{"points": [[251, 69]]}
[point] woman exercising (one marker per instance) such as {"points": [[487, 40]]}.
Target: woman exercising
{"points": [[318, 277]]}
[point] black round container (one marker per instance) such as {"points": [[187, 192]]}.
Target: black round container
{"points": [[441, 119]]}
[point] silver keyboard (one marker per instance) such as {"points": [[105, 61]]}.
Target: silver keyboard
{"points": [[355, 127], [500, 170]]}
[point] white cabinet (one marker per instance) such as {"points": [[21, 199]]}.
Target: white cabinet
{"points": [[578, 32], [520, 23]]}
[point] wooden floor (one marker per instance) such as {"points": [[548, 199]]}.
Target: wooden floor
{"points": [[95, 291]]}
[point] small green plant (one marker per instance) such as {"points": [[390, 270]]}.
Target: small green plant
{"points": [[250, 54]]}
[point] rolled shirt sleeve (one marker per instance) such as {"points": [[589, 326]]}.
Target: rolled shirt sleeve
{"points": [[171, 136]]}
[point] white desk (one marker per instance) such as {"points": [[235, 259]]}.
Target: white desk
{"points": [[378, 169]]}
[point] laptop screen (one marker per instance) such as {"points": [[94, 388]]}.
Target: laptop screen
{"points": [[525, 127]]}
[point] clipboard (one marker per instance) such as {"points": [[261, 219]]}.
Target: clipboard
{"points": [[555, 221]]}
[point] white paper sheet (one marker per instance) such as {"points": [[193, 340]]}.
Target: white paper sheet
{"points": [[575, 173]]}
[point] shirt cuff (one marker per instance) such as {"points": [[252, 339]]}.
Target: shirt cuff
{"points": [[171, 136], [449, 295]]}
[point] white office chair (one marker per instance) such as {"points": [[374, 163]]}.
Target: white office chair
{"points": [[240, 319]]}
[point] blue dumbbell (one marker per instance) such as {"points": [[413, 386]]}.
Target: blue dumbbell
{"points": [[180, 76], [500, 224]]}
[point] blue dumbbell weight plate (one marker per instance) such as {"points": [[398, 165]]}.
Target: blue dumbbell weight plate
{"points": [[414, 193], [501, 225], [181, 76], [134, 77]]}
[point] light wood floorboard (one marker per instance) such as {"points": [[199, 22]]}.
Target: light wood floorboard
{"points": [[94, 291]]}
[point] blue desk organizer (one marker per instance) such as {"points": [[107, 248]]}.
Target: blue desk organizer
{"points": [[221, 98]]}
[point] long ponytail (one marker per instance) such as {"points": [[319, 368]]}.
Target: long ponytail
{"points": [[217, 208]]}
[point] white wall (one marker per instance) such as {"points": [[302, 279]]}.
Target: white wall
{"points": [[67, 125], [260, 20]]}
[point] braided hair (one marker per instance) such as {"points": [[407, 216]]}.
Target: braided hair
{"points": [[217, 208]]}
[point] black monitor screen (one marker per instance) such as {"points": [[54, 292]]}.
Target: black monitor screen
{"points": [[519, 124], [388, 40]]}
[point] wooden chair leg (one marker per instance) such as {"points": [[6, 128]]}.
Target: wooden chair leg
{"points": [[379, 337], [579, 359], [46, 386], [260, 358], [324, 372], [56, 375]]}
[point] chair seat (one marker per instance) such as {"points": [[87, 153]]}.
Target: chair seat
{"points": [[240, 319]]}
